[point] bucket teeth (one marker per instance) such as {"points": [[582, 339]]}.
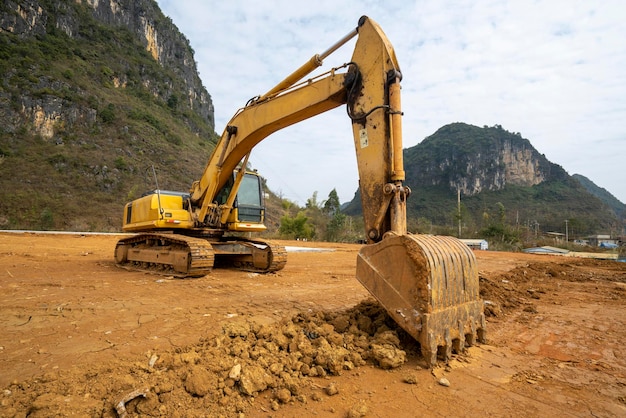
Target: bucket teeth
{"points": [[429, 286], [442, 347]]}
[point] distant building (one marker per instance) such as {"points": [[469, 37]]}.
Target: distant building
{"points": [[557, 236], [476, 244], [598, 240]]}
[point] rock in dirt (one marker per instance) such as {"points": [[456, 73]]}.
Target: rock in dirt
{"points": [[235, 372], [444, 382], [330, 357], [341, 323], [331, 389], [388, 356], [387, 337], [199, 381], [254, 379], [236, 329], [411, 379], [358, 411], [283, 395]]}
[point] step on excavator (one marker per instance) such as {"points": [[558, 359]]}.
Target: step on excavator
{"points": [[428, 284]]}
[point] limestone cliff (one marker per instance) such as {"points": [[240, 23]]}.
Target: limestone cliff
{"points": [[94, 94], [33, 19], [472, 159]]}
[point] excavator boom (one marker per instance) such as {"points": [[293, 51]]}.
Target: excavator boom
{"points": [[428, 284]]}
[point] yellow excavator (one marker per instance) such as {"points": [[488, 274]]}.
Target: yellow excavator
{"points": [[428, 284]]}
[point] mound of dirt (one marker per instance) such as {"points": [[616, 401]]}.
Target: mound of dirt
{"points": [[520, 286], [224, 373]]}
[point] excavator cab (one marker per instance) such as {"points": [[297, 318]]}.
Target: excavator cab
{"points": [[169, 210], [248, 209]]}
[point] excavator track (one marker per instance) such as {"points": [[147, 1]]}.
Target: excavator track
{"points": [[167, 254], [259, 256], [183, 256]]}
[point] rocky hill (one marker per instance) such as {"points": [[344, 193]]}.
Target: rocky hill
{"points": [[474, 160], [604, 195], [500, 175], [93, 95]]}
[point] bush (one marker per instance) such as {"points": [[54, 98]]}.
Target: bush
{"points": [[107, 115], [120, 163], [296, 227]]}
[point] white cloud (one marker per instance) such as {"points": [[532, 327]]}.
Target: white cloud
{"points": [[551, 70]]}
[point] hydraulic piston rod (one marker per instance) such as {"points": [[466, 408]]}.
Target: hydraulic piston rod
{"points": [[314, 62]]}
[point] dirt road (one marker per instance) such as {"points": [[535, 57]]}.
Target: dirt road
{"points": [[79, 336]]}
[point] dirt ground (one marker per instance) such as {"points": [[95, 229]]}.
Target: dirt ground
{"points": [[79, 336]]}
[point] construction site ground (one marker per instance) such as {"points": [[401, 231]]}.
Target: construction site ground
{"points": [[82, 337]]}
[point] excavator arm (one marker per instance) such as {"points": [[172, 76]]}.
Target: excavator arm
{"points": [[254, 123], [370, 87]]}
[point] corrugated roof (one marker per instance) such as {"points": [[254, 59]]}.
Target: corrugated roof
{"points": [[545, 250]]}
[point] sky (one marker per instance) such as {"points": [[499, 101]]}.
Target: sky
{"points": [[554, 71]]}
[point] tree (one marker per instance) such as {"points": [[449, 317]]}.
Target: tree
{"points": [[501, 213], [336, 227], [172, 102], [311, 202], [498, 230], [332, 205]]}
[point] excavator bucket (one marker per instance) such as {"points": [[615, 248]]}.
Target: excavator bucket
{"points": [[429, 285]]}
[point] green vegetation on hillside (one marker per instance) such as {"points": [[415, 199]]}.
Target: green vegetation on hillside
{"points": [[82, 121], [618, 207]]}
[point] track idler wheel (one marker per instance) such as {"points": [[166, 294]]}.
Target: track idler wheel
{"points": [[429, 285]]}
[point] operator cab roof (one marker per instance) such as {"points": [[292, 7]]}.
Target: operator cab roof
{"points": [[166, 192]]}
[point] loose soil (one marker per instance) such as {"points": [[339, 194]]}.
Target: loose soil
{"points": [[81, 337]]}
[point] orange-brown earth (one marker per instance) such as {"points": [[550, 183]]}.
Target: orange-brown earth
{"points": [[79, 336]]}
